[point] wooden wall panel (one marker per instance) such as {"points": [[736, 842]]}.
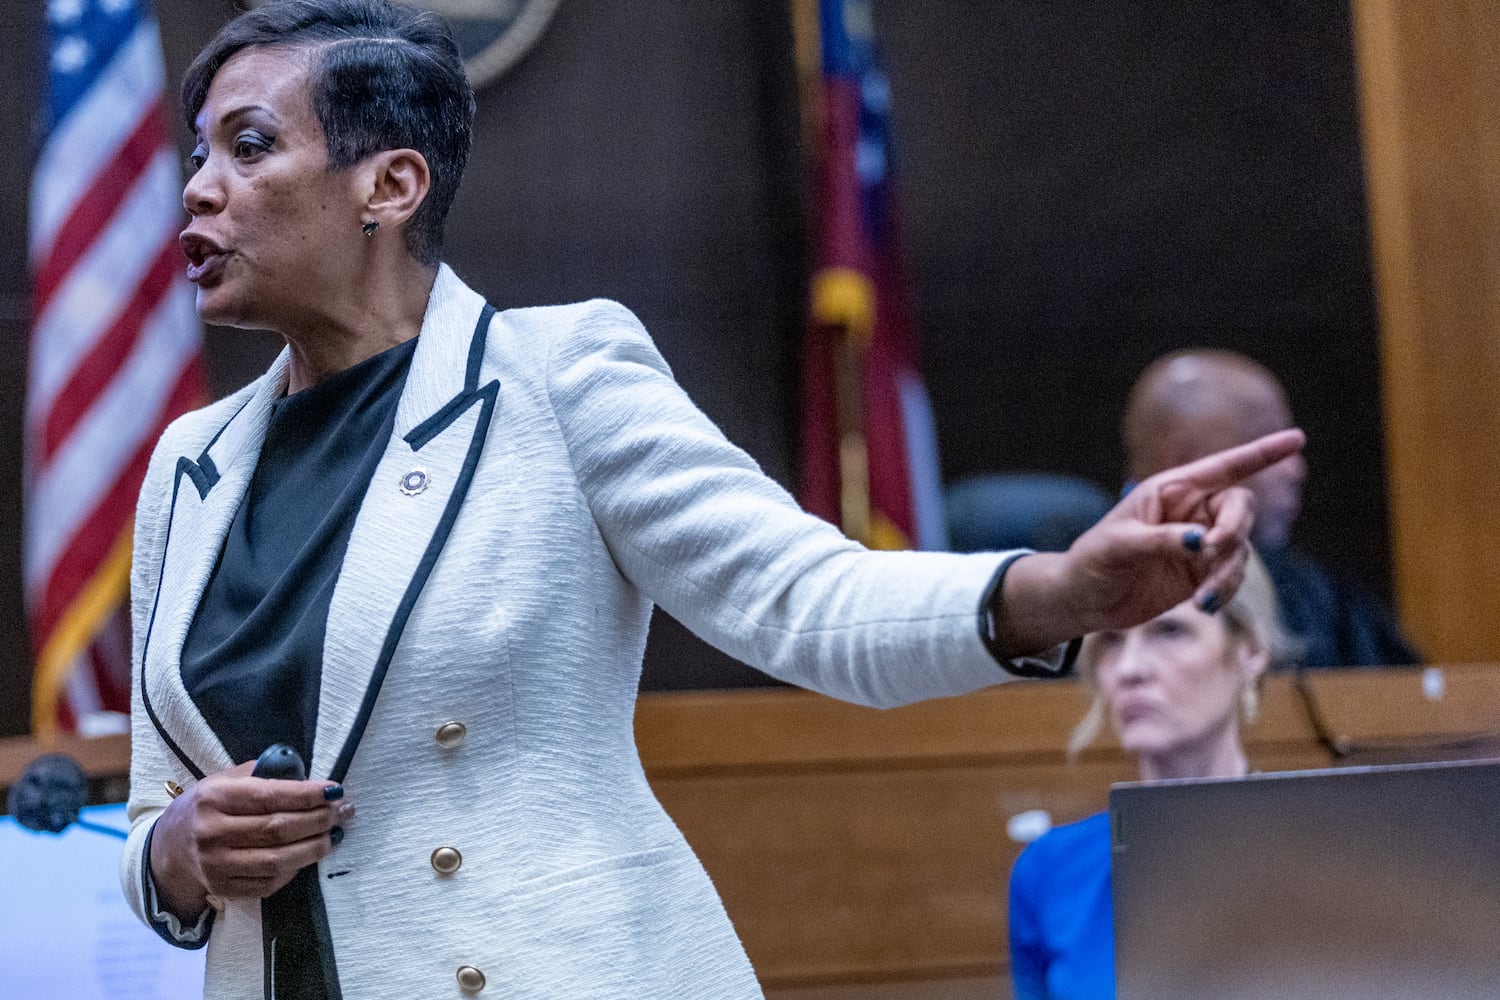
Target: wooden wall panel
{"points": [[1430, 85], [887, 872]]}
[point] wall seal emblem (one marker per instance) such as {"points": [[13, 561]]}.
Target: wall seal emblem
{"points": [[493, 35]]}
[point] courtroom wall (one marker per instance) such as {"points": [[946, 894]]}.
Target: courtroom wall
{"points": [[1086, 185], [18, 75], [1091, 183]]}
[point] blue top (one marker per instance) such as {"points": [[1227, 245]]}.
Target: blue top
{"points": [[1062, 928]]}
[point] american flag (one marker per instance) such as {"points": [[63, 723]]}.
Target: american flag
{"points": [[115, 348]]}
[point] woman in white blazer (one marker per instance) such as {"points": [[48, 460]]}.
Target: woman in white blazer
{"points": [[423, 549]]}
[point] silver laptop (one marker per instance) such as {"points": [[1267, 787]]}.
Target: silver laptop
{"points": [[1372, 883]]}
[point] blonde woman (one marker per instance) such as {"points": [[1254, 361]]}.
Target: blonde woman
{"points": [[1175, 690]]}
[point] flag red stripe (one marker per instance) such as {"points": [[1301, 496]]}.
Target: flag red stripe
{"points": [[819, 492], [98, 204], [885, 436], [105, 220], [841, 234], [97, 369], [86, 550]]}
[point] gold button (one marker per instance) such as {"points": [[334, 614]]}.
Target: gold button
{"points": [[174, 789], [470, 979], [451, 734], [446, 860]]}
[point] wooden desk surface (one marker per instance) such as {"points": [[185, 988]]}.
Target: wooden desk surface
{"points": [[853, 845]]}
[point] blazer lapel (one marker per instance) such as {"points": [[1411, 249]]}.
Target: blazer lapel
{"points": [[206, 492], [408, 511]]}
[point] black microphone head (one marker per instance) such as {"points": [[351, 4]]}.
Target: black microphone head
{"points": [[280, 760], [49, 794]]}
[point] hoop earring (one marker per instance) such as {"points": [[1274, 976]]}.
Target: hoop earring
{"points": [[369, 227]]}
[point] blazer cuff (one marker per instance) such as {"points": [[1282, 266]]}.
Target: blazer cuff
{"points": [[1055, 662], [167, 925]]}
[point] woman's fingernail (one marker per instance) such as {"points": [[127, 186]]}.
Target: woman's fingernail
{"points": [[333, 792], [1211, 603], [1192, 540], [336, 835], [346, 811]]}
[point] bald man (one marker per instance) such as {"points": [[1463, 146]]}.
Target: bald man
{"points": [[1190, 403]]}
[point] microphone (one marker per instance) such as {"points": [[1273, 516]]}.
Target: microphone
{"points": [[282, 761], [49, 795]]}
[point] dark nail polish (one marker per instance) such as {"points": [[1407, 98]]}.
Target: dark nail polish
{"points": [[1211, 604], [333, 792], [336, 835], [1192, 540]]}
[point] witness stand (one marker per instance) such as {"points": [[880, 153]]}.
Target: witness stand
{"points": [[866, 853]]}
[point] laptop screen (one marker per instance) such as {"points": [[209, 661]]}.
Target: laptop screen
{"points": [[1353, 884]]}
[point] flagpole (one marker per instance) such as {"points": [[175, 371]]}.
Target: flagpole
{"points": [[843, 307]]}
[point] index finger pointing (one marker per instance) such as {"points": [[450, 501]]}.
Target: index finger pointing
{"points": [[1233, 465]]}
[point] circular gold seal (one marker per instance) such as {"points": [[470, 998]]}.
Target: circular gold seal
{"points": [[493, 35]]}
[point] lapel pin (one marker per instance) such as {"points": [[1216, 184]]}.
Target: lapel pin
{"points": [[414, 482]]}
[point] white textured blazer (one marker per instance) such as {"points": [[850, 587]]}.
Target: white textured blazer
{"points": [[569, 484]]}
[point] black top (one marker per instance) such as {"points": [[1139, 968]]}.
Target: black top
{"points": [[252, 661], [1339, 624], [253, 658]]}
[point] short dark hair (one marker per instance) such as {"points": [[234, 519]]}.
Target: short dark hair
{"points": [[383, 76]]}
